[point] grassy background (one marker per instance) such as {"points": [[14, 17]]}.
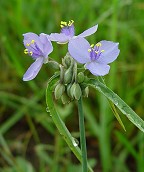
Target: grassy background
{"points": [[29, 140]]}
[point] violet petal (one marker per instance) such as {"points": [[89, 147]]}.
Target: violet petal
{"points": [[47, 45], [28, 37], [110, 53], [89, 31], [33, 69], [78, 49], [98, 69], [59, 37]]}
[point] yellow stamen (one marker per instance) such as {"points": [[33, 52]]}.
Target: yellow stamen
{"points": [[63, 23], [70, 22], [31, 53], [102, 50], [32, 41], [61, 26], [26, 51], [27, 44], [89, 50], [98, 44], [92, 45]]}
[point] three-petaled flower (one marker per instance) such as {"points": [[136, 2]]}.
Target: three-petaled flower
{"points": [[95, 57], [68, 32], [38, 47]]}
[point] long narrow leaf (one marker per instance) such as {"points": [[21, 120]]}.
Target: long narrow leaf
{"points": [[121, 105]]}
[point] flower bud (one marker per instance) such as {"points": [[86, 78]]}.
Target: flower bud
{"points": [[59, 90], [78, 92], [72, 90], [85, 92], [65, 99], [68, 90], [80, 77], [75, 91], [53, 64], [68, 76], [66, 60]]}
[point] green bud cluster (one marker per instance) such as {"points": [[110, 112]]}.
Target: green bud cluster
{"points": [[71, 83]]}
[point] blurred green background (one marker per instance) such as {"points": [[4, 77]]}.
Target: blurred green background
{"points": [[29, 141]]}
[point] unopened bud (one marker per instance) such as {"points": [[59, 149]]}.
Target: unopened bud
{"points": [[68, 90], [78, 92], [66, 60], [68, 76], [72, 90], [53, 64], [75, 91], [85, 92], [80, 77], [65, 99], [59, 90]]}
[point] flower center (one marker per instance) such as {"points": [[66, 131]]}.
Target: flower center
{"points": [[95, 51], [32, 49], [67, 28]]}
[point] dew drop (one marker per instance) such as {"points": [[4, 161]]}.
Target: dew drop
{"points": [[75, 142], [98, 88], [47, 109], [128, 115], [116, 102]]}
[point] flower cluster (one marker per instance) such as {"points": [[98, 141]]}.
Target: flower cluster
{"points": [[95, 57]]}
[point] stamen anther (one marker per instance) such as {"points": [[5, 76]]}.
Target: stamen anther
{"points": [[98, 44], [32, 41], [70, 22], [31, 53], [26, 51], [92, 45]]}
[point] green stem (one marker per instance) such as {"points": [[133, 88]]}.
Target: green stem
{"points": [[58, 121], [82, 136]]}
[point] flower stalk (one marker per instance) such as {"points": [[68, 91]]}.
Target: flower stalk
{"points": [[82, 136]]}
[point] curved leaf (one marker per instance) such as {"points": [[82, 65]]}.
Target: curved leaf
{"points": [[58, 121]]}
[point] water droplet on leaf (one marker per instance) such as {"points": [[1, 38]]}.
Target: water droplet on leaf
{"points": [[47, 109], [75, 142]]}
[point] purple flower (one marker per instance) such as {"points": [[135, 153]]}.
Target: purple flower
{"points": [[68, 32], [38, 47], [95, 57]]}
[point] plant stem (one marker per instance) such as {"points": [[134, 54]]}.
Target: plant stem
{"points": [[82, 136], [58, 121]]}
